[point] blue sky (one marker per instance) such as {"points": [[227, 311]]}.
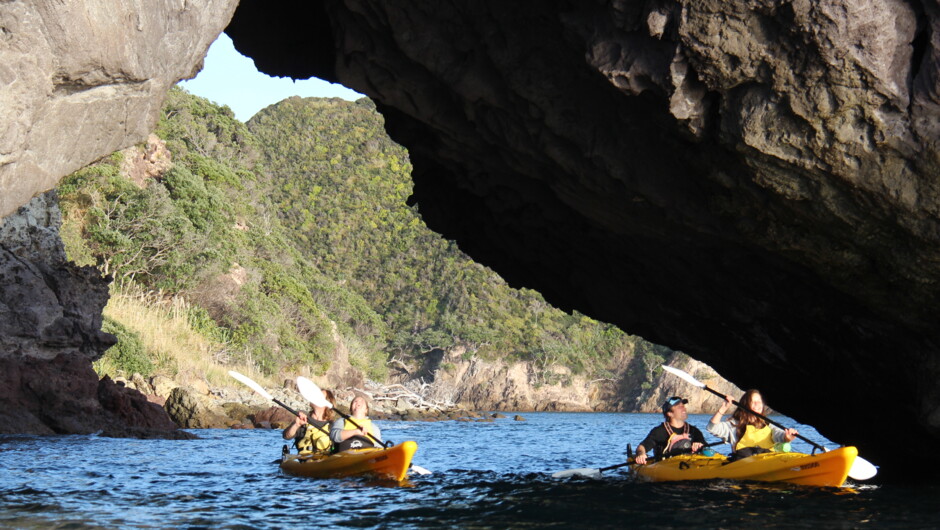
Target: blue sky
{"points": [[230, 78]]}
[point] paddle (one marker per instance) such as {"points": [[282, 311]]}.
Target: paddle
{"points": [[265, 394], [312, 393], [596, 473], [861, 469], [589, 472]]}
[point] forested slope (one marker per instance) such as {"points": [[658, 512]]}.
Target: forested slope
{"points": [[276, 231]]}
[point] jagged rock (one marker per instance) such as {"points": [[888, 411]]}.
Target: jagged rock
{"points": [[162, 385], [132, 407], [498, 415], [272, 417], [193, 410], [140, 384], [518, 418], [239, 412], [81, 81]]}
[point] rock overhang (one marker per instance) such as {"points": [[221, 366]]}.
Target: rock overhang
{"points": [[753, 185]]}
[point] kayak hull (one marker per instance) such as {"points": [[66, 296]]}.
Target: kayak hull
{"points": [[392, 463], [822, 469]]}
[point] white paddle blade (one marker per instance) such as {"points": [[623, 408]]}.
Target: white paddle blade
{"points": [[420, 470], [686, 377], [862, 469], [254, 386], [580, 472], [312, 393]]}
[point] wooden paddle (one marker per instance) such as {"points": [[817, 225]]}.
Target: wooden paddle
{"points": [[312, 393], [861, 469]]}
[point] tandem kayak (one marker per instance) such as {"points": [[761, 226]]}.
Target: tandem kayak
{"points": [[822, 469], [392, 462]]}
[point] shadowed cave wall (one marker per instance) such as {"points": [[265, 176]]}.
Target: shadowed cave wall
{"points": [[754, 185]]}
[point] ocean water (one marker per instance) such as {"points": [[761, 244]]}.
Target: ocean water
{"points": [[485, 475]]}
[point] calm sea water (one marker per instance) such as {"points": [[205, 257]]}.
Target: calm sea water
{"points": [[486, 475]]}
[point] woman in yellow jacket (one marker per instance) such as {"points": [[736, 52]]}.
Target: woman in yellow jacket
{"points": [[747, 433], [347, 436], [313, 433]]}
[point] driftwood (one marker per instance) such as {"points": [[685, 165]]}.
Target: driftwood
{"points": [[418, 394]]}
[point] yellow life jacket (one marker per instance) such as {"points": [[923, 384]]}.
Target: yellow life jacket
{"points": [[315, 440], [754, 437], [365, 423]]}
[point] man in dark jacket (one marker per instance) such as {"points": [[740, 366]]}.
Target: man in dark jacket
{"points": [[672, 437]]}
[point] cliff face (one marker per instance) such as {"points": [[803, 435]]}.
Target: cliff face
{"points": [[50, 332], [754, 184], [81, 80]]}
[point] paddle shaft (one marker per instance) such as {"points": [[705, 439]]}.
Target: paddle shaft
{"points": [[765, 418], [350, 420], [295, 413]]}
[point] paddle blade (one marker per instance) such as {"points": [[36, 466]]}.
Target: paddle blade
{"points": [[312, 393], [862, 469], [580, 472], [254, 386], [686, 377], [420, 470]]}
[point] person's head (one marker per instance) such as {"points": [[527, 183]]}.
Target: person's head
{"points": [[325, 413], [674, 410], [753, 400], [359, 407]]}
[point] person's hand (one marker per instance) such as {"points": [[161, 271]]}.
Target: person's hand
{"points": [[300, 419], [640, 459], [790, 434], [726, 405], [696, 446]]}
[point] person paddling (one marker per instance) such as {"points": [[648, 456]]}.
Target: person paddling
{"points": [[313, 433], [347, 435], [672, 437], [747, 433]]}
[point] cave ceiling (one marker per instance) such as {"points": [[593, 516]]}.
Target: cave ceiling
{"points": [[754, 185]]}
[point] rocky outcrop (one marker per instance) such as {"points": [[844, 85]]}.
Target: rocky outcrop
{"points": [[479, 384], [752, 183], [81, 80], [50, 332]]}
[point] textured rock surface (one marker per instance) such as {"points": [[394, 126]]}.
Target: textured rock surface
{"points": [[754, 183], [50, 332], [80, 80]]}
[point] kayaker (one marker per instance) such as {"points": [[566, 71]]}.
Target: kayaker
{"points": [[673, 436], [747, 433], [348, 436], [313, 433]]}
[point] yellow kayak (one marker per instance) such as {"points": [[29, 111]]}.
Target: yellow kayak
{"points": [[822, 469], [392, 462]]}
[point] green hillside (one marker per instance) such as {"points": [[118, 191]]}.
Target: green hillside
{"points": [[273, 230]]}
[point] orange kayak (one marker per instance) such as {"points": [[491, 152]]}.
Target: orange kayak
{"points": [[392, 462], [822, 469]]}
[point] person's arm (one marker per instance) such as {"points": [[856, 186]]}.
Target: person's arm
{"points": [[336, 430], [721, 411], [698, 439], [782, 435], [376, 431], [723, 430], [291, 431], [648, 444]]}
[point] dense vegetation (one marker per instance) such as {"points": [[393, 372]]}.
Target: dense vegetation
{"points": [[276, 230]]}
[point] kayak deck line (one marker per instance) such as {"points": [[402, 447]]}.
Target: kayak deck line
{"points": [[822, 469], [392, 462]]}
